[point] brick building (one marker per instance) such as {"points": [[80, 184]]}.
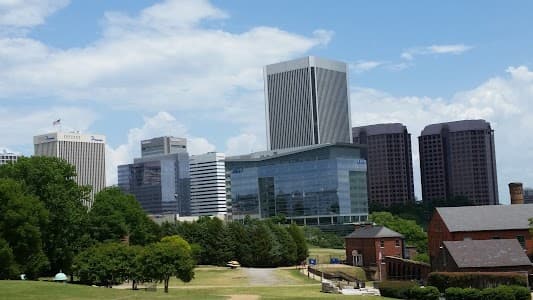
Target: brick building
{"points": [[505, 255], [457, 159], [368, 245], [480, 223], [389, 160]]}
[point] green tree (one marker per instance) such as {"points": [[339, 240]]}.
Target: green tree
{"points": [[116, 215], [107, 264], [8, 265], [413, 233], [21, 218], [52, 181], [170, 257], [302, 251]]}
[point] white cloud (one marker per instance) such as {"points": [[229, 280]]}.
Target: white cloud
{"points": [[161, 124], [361, 66], [164, 58], [503, 101], [18, 126], [435, 49], [27, 13], [244, 143]]}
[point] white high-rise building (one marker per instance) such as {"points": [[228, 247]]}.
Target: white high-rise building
{"points": [[208, 184], [86, 152], [6, 157], [307, 103]]}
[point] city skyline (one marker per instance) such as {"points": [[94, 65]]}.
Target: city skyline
{"points": [[88, 64]]}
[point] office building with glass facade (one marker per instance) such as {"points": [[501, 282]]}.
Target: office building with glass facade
{"points": [[312, 185], [160, 182]]}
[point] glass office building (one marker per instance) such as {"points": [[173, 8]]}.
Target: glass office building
{"points": [[313, 185], [160, 183]]}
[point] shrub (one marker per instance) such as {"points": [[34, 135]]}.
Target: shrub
{"points": [[479, 280], [424, 293], [396, 289], [454, 293], [472, 294], [501, 292]]}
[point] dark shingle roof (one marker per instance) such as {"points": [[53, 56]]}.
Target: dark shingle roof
{"points": [[486, 217], [487, 253], [369, 232]]}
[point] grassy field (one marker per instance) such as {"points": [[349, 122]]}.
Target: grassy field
{"points": [[324, 254], [209, 283]]}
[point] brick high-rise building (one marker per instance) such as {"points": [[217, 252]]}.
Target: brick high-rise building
{"points": [[389, 162], [457, 159]]}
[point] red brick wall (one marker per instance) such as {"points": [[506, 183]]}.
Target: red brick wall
{"points": [[438, 232], [370, 249]]}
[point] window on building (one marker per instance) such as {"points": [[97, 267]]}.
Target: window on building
{"points": [[382, 244], [521, 240], [495, 237], [397, 243]]}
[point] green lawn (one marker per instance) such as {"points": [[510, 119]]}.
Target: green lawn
{"points": [[324, 254], [210, 283]]}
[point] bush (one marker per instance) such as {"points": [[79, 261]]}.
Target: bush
{"points": [[454, 293], [424, 293], [479, 280], [396, 289], [501, 292]]}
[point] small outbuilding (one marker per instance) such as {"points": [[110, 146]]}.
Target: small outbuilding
{"points": [[505, 255]]}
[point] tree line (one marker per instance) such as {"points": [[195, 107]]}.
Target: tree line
{"points": [[45, 228]]}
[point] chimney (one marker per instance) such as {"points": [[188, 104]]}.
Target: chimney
{"points": [[517, 193]]}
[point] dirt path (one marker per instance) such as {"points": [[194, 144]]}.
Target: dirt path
{"points": [[263, 276], [244, 297]]}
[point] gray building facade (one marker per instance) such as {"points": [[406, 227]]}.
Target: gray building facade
{"points": [[313, 185], [159, 180], [528, 195], [457, 159], [307, 103], [389, 160]]}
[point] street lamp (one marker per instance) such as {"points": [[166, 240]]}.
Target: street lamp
{"points": [[178, 203]]}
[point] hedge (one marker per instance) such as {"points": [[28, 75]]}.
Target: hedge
{"points": [[396, 289], [424, 293], [501, 292], [478, 280]]}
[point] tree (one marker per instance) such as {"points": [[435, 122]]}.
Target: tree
{"points": [[21, 218], [107, 264], [413, 233], [8, 266], [302, 251], [116, 215], [52, 181], [170, 257]]}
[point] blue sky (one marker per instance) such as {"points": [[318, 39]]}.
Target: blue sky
{"points": [[137, 69]]}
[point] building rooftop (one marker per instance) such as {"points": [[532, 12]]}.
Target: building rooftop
{"points": [[487, 253], [456, 126], [369, 232], [486, 217], [264, 155], [305, 62], [377, 129]]}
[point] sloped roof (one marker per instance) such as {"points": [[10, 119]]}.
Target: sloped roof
{"points": [[369, 232], [486, 217], [487, 253]]}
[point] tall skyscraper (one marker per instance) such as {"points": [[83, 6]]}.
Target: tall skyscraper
{"points": [[163, 145], [86, 152], [208, 184], [457, 159], [389, 160], [307, 103], [159, 180], [7, 157]]}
